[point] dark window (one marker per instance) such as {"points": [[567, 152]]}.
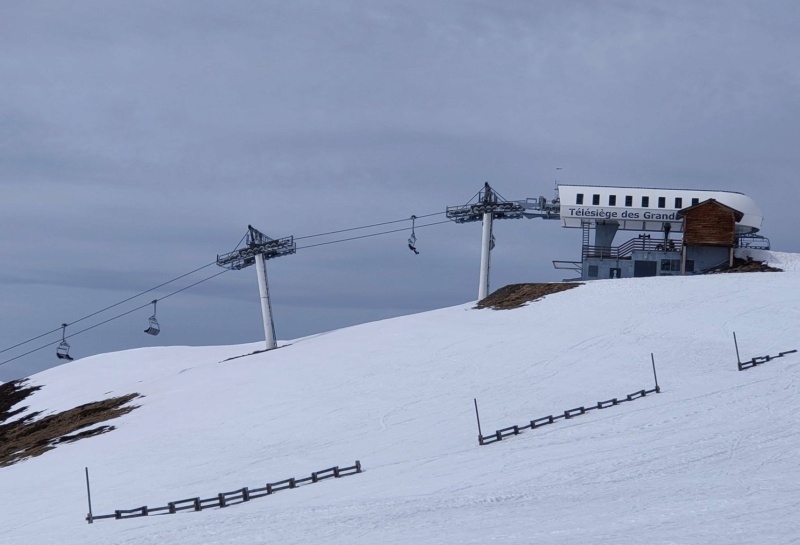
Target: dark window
{"points": [[678, 203], [628, 200], [612, 200], [595, 199], [645, 268], [593, 271], [645, 202], [674, 265], [695, 201], [662, 202], [579, 199], [615, 272]]}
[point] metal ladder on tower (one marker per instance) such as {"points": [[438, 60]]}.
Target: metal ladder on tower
{"points": [[585, 241]]}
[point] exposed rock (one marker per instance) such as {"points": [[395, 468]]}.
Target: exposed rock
{"points": [[516, 295], [748, 265], [27, 437]]}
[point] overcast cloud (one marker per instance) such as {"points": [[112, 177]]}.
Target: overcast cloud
{"points": [[138, 140]]}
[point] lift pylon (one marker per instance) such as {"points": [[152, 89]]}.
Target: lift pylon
{"points": [[488, 207], [258, 248]]}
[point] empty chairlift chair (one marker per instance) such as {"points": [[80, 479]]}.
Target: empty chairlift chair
{"points": [[62, 352], [153, 328]]}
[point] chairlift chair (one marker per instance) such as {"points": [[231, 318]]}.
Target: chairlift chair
{"points": [[62, 352], [153, 328]]}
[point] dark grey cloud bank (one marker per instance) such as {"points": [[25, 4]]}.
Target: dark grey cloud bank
{"points": [[138, 140]]}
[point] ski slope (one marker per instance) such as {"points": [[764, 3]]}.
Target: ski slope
{"points": [[710, 460]]}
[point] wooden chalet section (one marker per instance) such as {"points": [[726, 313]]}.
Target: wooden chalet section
{"points": [[710, 223]]}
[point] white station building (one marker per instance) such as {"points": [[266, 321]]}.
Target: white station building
{"points": [[679, 231]]}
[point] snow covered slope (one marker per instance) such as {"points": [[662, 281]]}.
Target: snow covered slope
{"points": [[710, 460]]}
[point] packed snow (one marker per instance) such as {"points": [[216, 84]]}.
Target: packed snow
{"points": [[712, 459]]}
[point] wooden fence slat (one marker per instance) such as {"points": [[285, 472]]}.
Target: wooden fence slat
{"points": [[569, 413]]}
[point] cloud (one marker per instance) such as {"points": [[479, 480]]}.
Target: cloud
{"points": [[137, 141]]}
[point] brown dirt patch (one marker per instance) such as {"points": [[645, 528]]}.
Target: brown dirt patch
{"points": [[27, 437], [516, 295], [749, 265]]}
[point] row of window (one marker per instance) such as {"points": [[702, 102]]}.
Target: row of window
{"points": [[612, 201], [667, 266]]}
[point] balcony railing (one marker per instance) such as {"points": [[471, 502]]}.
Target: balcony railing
{"points": [[642, 244]]}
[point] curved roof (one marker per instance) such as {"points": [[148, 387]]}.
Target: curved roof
{"points": [[652, 188], [647, 208]]}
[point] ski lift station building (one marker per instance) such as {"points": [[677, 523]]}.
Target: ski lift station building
{"points": [[678, 231]]}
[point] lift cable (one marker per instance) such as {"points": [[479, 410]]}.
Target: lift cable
{"points": [[366, 227], [110, 307], [372, 234], [113, 317], [214, 263]]}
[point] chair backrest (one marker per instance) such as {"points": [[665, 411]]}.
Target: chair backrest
{"points": [[62, 352], [153, 328]]}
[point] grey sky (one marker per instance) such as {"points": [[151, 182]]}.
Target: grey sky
{"points": [[138, 140]]}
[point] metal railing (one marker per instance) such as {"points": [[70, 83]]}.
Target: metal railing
{"points": [[753, 241], [633, 245]]}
